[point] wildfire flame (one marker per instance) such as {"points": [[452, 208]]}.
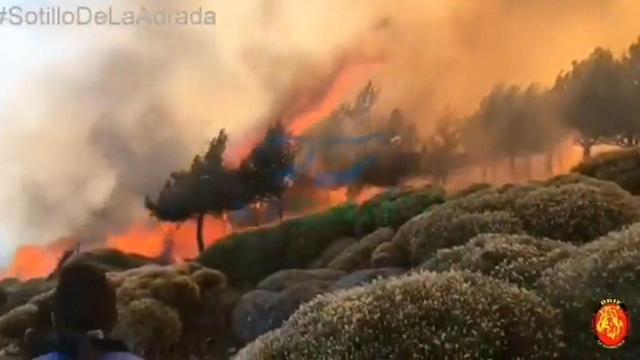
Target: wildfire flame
{"points": [[149, 238]]}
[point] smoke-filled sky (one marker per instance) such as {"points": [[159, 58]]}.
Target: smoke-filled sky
{"points": [[94, 118]]}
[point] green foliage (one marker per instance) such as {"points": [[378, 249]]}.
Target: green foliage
{"points": [[441, 228], [513, 122], [603, 269], [388, 254], [149, 326], [265, 170], [207, 279], [598, 99], [14, 323], [200, 190], [621, 167], [208, 187], [308, 236], [469, 190], [420, 316], [519, 259], [111, 260], [576, 212], [491, 199], [358, 256], [394, 209], [248, 257]]}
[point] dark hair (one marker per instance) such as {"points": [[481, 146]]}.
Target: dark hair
{"points": [[84, 300]]}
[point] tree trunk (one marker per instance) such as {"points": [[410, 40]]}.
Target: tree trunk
{"points": [[228, 226], [256, 214], [200, 232], [512, 166], [280, 205], [529, 163], [549, 162], [586, 151]]}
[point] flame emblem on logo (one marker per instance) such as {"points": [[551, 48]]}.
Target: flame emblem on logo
{"points": [[612, 324]]}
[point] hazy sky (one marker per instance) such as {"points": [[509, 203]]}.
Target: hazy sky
{"points": [[23, 52]]}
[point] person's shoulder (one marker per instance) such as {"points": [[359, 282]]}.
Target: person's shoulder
{"points": [[120, 356], [52, 356], [107, 356]]}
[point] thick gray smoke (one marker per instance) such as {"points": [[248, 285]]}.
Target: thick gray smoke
{"points": [[135, 104]]}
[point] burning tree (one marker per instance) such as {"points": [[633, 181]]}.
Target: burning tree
{"points": [[441, 151], [598, 101], [630, 136], [269, 169], [202, 190], [513, 122]]}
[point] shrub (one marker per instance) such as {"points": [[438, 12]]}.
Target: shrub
{"points": [[4, 296], [209, 279], [358, 256], [573, 179], [149, 326], [14, 323], [331, 251], [441, 228], [178, 291], [111, 260], [520, 259], [394, 209], [470, 190], [171, 285], [576, 212], [421, 316], [492, 199], [388, 254], [310, 235], [621, 167], [603, 269], [248, 257]]}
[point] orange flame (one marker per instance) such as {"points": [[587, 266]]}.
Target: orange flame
{"points": [[351, 79], [150, 239], [348, 82], [32, 261]]}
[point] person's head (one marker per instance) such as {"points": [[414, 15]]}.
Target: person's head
{"points": [[84, 300]]}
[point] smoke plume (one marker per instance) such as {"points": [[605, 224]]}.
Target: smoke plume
{"points": [[85, 145]]}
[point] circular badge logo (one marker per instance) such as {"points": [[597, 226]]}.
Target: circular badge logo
{"points": [[612, 323]]}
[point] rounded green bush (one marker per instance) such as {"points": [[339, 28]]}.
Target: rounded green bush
{"points": [[470, 190], [621, 167], [393, 210], [358, 255], [576, 212], [492, 199], [420, 316], [388, 254], [209, 279], [441, 228], [520, 259], [603, 269], [149, 326]]}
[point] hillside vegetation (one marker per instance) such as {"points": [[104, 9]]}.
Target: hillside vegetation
{"points": [[489, 272]]}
